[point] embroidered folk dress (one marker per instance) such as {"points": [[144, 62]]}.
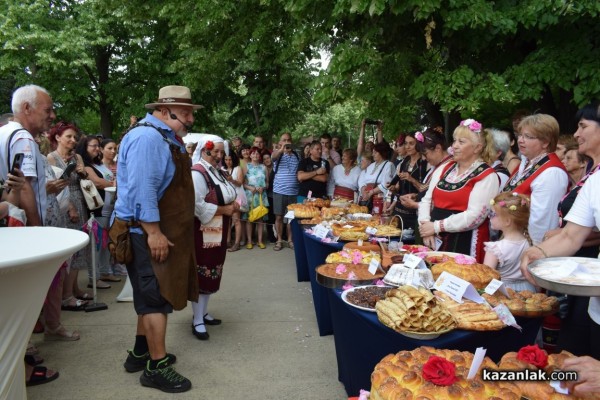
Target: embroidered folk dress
{"points": [[212, 190], [460, 205], [545, 181]]}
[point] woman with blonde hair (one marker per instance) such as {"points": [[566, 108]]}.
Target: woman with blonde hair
{"points": [[454, 211], [541, 175]]}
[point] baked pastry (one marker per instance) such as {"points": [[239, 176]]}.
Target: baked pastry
{"points": [[366, 246], [348, 272], [318, 202], [470, 315], [480, 275], [304, 211], [524, 303], [352, 256], [401, 376], [540, 389], [407, 309], [356, 209], [367, 297], [387, 230], [331, 212]]}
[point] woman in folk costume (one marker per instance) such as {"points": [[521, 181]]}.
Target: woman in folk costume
{"points": [[455, 207], [541, 175], [215, 203]]}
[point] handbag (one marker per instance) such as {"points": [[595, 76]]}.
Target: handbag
{"points": [[259, 211], [90, 194]]}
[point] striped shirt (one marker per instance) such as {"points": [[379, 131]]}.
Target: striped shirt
{"points": [[286, 178]]}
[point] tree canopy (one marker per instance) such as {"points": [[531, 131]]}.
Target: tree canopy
{"points": [[251, 63]]}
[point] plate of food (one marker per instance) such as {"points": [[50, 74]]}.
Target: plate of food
{"points": [[436, 257], [578, 276], [424, 335], [364, 297]]}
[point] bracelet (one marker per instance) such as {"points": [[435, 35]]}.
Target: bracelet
{"points": [[442, 226], [542, 250]]}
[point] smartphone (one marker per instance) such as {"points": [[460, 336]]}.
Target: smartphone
{"points": [[69, 170], [288, 146], [17, 162]]}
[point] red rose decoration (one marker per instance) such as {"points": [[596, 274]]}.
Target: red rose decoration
{"points": [[439, 371], [533, 355], [209, 145]]}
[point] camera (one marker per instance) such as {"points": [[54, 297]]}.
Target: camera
{"points": [[370, 121], [288, 146]]}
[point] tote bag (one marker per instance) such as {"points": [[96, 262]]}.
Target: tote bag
{"points": [[90, 194], [259, 211]]}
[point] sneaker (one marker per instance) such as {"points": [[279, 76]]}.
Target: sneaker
{"points": [[120, 270], [135, 363], [165, 378]]}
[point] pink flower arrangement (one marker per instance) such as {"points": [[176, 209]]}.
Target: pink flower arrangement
{"points": [[464, 260], [351, 275], [472, 124], [419, 137], [340, 269], [347, 286], [357, 257]]}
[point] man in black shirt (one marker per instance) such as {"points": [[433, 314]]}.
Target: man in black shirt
{"points": [[313, 173]]}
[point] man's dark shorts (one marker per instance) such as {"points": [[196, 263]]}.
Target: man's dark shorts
{"points": [[146, 294], [281, 201]]}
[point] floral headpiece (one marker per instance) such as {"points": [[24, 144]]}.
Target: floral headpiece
{"points": [[209, 145], [419, 136], [472, 124], [512, 207]]}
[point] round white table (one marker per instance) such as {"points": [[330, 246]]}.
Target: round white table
{"points": [[29, 259]]}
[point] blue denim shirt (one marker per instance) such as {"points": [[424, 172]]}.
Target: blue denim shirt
{"points": [[145, 170]]}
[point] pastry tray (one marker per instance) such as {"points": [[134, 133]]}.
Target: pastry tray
{"points": [[544, 272]]}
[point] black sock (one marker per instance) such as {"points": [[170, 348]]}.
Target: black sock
{"points": [[141, 345], [154, 363]]}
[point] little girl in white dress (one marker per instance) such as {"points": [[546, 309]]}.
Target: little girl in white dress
{"points": [[510, 214]]}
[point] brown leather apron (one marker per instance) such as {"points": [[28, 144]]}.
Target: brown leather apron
{"points": [[177, 275]]}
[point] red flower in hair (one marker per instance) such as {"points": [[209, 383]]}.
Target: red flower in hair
{"points": [[209, 145]]}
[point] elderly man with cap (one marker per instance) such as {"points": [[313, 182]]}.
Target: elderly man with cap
{"points": [[155, 202], [215, 203]]}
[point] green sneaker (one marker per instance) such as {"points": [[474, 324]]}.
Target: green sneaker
{"points": [[135, 363], [165, 378]]}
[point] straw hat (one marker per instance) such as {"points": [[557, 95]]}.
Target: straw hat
{"points": [[174, 96]]}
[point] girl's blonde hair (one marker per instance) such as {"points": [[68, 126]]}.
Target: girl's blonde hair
{"points": [[516, 207]]}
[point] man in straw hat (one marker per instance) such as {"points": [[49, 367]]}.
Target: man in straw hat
{"points": [[155, 201]]}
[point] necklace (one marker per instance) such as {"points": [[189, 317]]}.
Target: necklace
{"points": [[377, 164], [65, 158]]}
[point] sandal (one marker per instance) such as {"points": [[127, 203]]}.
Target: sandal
{"points": [[261, 245], [31, 349], [61, 334], [33, 360], [109, 278], [291, 245], [234, 247], [249, 246], [73, 304], [85, 296], [278, 246], [41, 375]]}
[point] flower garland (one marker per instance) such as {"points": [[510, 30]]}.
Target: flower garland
{"points": [[512, 207], [472, 124]]}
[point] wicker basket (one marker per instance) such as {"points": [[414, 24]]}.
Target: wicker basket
{"points": [[391, 257]]}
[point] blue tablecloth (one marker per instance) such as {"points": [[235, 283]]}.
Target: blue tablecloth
{"points": [[300, 252], [361, 341], [316, 253]]}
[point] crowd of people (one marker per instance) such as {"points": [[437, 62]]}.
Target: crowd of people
{"points": [[504, 197]]}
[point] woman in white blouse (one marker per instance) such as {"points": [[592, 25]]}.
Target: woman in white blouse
{"points": [[343, 182], [455, 209], [214, 205], [379, 173]]}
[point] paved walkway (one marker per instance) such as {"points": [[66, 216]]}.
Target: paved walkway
{"points": [[268, 346]]}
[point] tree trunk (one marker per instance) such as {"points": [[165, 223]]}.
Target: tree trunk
{"points": [[102, 68]]}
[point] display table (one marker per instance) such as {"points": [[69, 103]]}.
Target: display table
{"points": [[299, 251], [361, 341], [316, 253], [29, 260]]}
